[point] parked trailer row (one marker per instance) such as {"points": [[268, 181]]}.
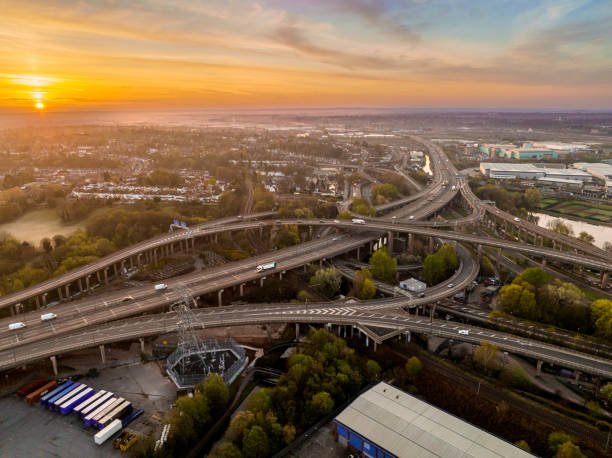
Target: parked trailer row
{"points": [[74, 401], [69, 395], [117, 413], [131, 417], [45, 400], [32, 386], [95, 405], [49, 395], [82, 405], [106, 433], [52, 403], [35, 396], [89, 419], [104, 412]]}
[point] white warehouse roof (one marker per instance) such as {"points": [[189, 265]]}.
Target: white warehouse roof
{"points": [[409, 427]]}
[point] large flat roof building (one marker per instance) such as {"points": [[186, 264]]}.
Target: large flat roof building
{"points": [[526, 151], [502, 170], [385, 422]]}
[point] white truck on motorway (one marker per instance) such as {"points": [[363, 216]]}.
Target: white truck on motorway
{"points": [[13, 326], [48, 316], [264, 267], [161, 287], [358, 221], [453, 188]]}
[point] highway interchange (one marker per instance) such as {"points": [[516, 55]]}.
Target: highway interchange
{"points": [[117, 316]]}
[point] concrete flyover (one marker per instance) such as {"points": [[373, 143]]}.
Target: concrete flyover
{"points": [[78, 280], [74, 315], [350, 315]]}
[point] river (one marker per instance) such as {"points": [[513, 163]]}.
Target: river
{"points": [[602, 234]]}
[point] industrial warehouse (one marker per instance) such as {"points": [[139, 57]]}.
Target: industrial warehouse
{"points": [[385, 422]]}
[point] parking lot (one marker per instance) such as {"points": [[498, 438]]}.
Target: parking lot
{"points": [[33, 431]]}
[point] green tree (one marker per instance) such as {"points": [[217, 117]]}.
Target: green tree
{"points": [[345, 215], [255, 443], [413, 367], [559, 226], [486, 355], [368, 290], [287, 236], [606, 391], [434, 269], [557, 439], [327, 281], [226, 450], [515, 376], [524, 445], [372, 370], [601, 317], [46, 245], [533, 198], [215, 390], [384, 267], [569, 450], [321, 403], [359, 278], [486, 267], [586, 237]]}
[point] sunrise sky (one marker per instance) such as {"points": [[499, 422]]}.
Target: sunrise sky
{"points": [[61, 54]]}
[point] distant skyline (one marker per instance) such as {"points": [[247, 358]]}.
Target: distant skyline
{"points": [[491, 54]]}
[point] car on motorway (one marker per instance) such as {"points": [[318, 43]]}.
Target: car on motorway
{"points": [[358, 221], [48, 316], [278, 221], [161, 287], [422, 295], [450, 285], [464, 332], [411, 217], [337, 221], [517, 220], [127, 299], [14, 326]]}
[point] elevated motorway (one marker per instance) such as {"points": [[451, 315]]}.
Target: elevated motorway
{"points": [[144, 299], [347, 315], [117, 260]]}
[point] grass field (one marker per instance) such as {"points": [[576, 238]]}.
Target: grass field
{"points": [[37, 224], [600, 213]]}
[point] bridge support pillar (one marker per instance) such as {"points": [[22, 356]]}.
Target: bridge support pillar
{"points": [[171, 249], [261, 281], [604, 279], [410, 242], [375, 346], [116, 269], [44, 299], [59, 293], [479, 251], [87, 282], [139, 259], [220, 297], [320, 263], [367, 341], [12, 310], [281, 273], [310, 231], [371, 247], [390, 241], [297, 331], [431, 244], [37, 302], [543, 262], [242, 289], [102, 353], [131, 261], [98, 275], [358, 254], [80, 285], [142, 344], [576, 376], [106, 276], [67, 288], [54, 364], [535, 239], [539, 369]]}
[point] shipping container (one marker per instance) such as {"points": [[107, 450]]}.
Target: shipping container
{"points": [[32, 386], [104, 412], [117, 413], [131, 417], [34, 396], [53, 403], [108, 432], [77, 399], [69, 395], [58, 390], [95, 405], [87, 402], [47, 402], [96, 412]]}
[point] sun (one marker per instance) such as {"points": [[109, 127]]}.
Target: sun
{"points": [[39, 105]]}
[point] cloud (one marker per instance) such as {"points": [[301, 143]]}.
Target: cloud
{"points": [[293, 37]]}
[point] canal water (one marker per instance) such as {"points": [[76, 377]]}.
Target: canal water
{"points": [[602, 234]]}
